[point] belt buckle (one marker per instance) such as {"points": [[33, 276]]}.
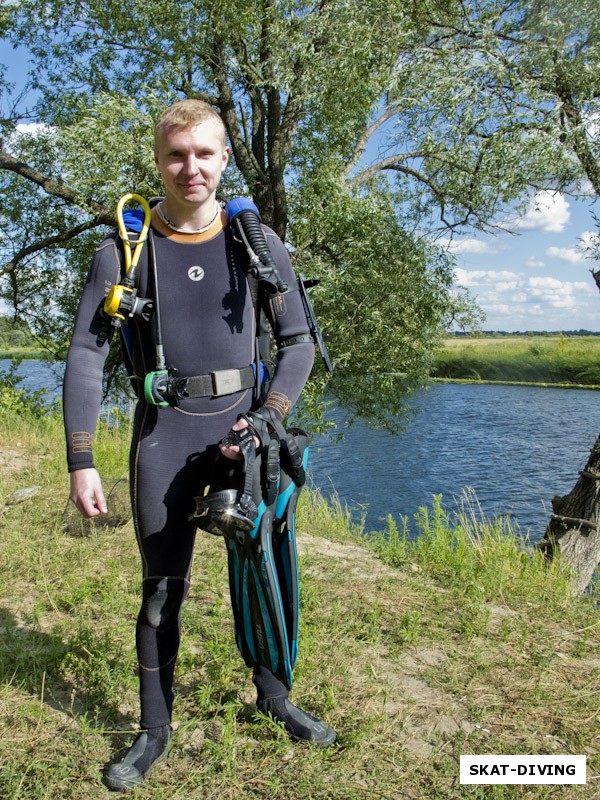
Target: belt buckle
{"points": [[226, 381], [180, 387]]}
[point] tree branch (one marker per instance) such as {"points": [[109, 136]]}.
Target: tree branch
{"points": [[49, 242], [104, 216], [247, 165], [392, 163], [364, 139]]}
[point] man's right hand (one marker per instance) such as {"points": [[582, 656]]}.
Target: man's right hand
{"points": [[86, 492]]}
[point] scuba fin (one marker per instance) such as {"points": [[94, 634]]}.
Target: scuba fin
{"points": [[253, 505]]}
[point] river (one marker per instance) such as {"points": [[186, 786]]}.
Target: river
{"points": [[516, 446]]}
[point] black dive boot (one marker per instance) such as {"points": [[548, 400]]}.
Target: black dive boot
{"points": [[149, 748], [297, 723]]}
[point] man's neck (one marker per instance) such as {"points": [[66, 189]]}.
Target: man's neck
{"points": [[189, 219]]}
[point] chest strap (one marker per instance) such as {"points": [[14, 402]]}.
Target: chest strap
{"points": [[215, 384]]}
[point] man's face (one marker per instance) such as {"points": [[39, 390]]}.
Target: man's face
{"points": [[191, 162]]}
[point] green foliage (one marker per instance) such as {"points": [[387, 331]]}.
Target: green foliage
{"points": [[382, 297], [16, 399], [410, 673], [500, 96], [476, 557], [15, 333], [296, 87], [471, 105]]}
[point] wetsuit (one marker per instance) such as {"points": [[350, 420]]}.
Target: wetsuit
{"points": [[208, 323]]}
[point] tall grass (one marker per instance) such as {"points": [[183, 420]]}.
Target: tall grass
{"points": [[481, 558], [560, 360]]}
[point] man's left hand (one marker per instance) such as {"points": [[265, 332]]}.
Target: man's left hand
{"points": [[233, 451]]}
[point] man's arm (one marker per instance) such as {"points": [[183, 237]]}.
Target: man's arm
{"points": [[294, 360], [86, 492], [82, 387]]}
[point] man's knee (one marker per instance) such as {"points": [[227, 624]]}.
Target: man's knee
{"points": [[162, 600]]}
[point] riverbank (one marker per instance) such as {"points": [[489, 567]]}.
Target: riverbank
{"points": [[26, 354], [566, 361], [416, 652]]}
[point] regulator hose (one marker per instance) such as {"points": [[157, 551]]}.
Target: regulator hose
{"points": [[244, 218]]}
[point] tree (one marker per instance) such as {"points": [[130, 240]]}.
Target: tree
{"points": [[523, 79], [472, 104], [296, 86]]}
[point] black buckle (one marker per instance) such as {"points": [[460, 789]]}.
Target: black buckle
{"points": [[179, 387]]}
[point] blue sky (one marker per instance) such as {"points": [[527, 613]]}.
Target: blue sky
{"points": [[535, 278]]}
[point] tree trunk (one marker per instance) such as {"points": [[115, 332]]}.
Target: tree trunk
{"points": [[574, 529]]}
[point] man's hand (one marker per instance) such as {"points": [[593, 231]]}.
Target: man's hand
{"points": [[233, 452], [87, 494]]}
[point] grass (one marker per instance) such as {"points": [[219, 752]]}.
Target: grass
{"points": [[549, 360], [415, 650], [36, 353]]}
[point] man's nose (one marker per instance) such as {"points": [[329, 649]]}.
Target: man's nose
{"points": [[190, 165]]}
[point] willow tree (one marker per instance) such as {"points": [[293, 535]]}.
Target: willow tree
{"points": [[298, 86], [507, 95], [357, 128]]}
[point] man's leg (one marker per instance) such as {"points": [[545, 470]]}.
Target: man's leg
{"points": [[163, 482]]}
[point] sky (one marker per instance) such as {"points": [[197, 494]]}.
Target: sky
{"points": [[535, 277]]}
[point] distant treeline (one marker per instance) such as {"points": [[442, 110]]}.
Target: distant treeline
{"points": [[15, 333], [580, 332], [17, 341]]}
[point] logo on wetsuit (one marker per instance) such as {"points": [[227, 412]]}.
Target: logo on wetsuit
{"points": [[195, 273]]}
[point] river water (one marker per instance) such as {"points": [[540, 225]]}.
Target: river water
{"points": [[515, 446]]}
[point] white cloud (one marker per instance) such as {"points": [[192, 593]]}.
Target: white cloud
{"points": [[472, 245], [548, 212], [482, 277], [27, 129], [32, 128], [578, 253], [507, 286], [543, 284], [569, 254], [587, 237], [518, 301], [534, 262]]}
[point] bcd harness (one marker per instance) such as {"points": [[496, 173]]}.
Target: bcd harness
{"points": [[123, 304]]}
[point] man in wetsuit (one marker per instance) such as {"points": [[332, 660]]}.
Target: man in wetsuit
{"points": [[208, 324]]}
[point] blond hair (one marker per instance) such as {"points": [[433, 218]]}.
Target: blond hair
{"points": [[187, 114]]}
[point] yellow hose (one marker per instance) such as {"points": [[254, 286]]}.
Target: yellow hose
{"points": [[131, 261]]}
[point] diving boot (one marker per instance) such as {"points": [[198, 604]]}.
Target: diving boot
{"points": [[300, 725], [149, 748]]}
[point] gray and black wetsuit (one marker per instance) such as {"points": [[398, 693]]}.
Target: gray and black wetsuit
{"points": [[208, 324]]}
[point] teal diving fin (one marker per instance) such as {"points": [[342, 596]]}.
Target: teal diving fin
{"points": [[261, 552], [263, 577]]}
